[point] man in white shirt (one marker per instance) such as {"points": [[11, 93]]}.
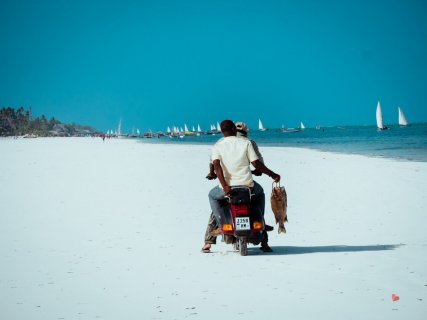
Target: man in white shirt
{"points": [[231, 157]]}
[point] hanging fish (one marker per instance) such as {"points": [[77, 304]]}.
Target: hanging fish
{"points": [[279, 206]]}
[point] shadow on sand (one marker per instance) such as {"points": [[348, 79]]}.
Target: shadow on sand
{"points": [[288, 250]]}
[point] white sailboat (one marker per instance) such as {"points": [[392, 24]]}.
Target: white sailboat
{"points": [[402, 119], [260, 126], [119, 129], [302, 126], [185, 128], [218, 127], [198, 128], [379, 114]]}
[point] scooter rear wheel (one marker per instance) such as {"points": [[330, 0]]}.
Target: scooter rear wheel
{"points": [[243, 247]]}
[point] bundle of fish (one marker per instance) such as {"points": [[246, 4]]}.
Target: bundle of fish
{"points": [[279, 205]]}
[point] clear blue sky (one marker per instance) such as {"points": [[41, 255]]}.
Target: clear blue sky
{"points": [[159, 63]]}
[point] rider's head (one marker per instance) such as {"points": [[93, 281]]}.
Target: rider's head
{"points": [[242, 129], [228, 128]]}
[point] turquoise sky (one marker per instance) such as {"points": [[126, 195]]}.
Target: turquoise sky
{"points": [[160, 63]]}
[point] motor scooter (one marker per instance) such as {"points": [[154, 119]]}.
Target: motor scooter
{"points": [[241, 221]]}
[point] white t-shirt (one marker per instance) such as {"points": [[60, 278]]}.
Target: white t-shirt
{"points": [[235, 155]]}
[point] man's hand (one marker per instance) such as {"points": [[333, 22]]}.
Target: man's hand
{"points": [[275, 177], [227, 191], [211, 176]]}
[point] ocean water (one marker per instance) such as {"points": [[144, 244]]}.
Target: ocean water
{"points": [[408, 143]]}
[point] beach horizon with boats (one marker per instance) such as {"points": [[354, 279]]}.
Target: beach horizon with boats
{"points": [[399, 140]]}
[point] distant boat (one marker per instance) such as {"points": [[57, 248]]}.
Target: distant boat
{"points": [[135, 135], [218, 127], [261, 126], [29, 135], [302, 126], [119, 129], [148, 134], [286, 130], [380, 124], [402, 119], [187, 132]]}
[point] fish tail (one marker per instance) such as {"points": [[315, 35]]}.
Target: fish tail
{"points": [[281, 229]]}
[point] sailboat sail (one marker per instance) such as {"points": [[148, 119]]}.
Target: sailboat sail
{"points": [[302, 126], [119, 129], [198, 128], [260, 125], [402, 118], [185, 128], [218, 127], [380, 124], [193, 129]]}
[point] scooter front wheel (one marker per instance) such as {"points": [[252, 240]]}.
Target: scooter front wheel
{"points": [[243, 246]]}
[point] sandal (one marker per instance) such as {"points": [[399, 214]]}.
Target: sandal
{"points": [[206, 249]]}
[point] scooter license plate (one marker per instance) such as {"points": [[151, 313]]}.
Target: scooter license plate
{"points": [[243, 223]]}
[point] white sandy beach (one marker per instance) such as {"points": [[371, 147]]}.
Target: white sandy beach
{"points": [[113, 230]]}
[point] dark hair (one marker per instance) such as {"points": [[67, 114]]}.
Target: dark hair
{"points": [[228, 126]]}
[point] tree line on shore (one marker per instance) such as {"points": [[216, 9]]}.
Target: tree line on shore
{"points": [[19, 122]]}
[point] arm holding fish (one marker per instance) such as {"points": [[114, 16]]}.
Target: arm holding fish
{"points": [[261, 167]]}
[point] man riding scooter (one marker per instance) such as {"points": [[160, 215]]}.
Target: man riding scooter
{"points": [[231, 158], [212, 230]]}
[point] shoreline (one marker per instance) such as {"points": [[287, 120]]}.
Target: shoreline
{"points": [[162, 141], [272, 145]]}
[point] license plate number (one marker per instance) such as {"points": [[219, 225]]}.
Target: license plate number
{"points": [[243, 224]]}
